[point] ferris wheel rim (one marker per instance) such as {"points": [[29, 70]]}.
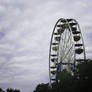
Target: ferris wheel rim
{"points": [[62, 19]]}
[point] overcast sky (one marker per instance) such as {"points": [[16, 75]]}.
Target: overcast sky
{"points": [[25, 32]]}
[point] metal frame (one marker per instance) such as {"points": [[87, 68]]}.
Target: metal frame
{"points": [[71, 35]]}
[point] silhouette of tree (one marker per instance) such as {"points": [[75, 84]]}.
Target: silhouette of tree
{"points": [[84, 76], [1, 90], [12, 90], [81, 81], [9, 90], [16, 90]]}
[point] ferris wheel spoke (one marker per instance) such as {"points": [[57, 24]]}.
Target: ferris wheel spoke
{"points": [[67, 42], [70, 55], [65, 39], [67, 53]]}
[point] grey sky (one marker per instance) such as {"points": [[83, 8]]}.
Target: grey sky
{"points": [[25, 30]]}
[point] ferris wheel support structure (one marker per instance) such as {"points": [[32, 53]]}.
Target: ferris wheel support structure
{"points": [[66, 47]]}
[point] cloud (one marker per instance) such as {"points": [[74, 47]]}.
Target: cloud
{"points": [[25, 32]]}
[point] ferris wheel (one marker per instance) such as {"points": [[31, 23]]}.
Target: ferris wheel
{"points": [[66, 47]]}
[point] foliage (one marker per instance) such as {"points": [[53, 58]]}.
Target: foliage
{"points": [[80, 81], [1, 90], [9, 90]]}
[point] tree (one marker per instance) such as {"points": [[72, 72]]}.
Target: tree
{"points": [[84, 76], [81, 81], [42, 88], [1, 90], [9, 90], [12, 90]]}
